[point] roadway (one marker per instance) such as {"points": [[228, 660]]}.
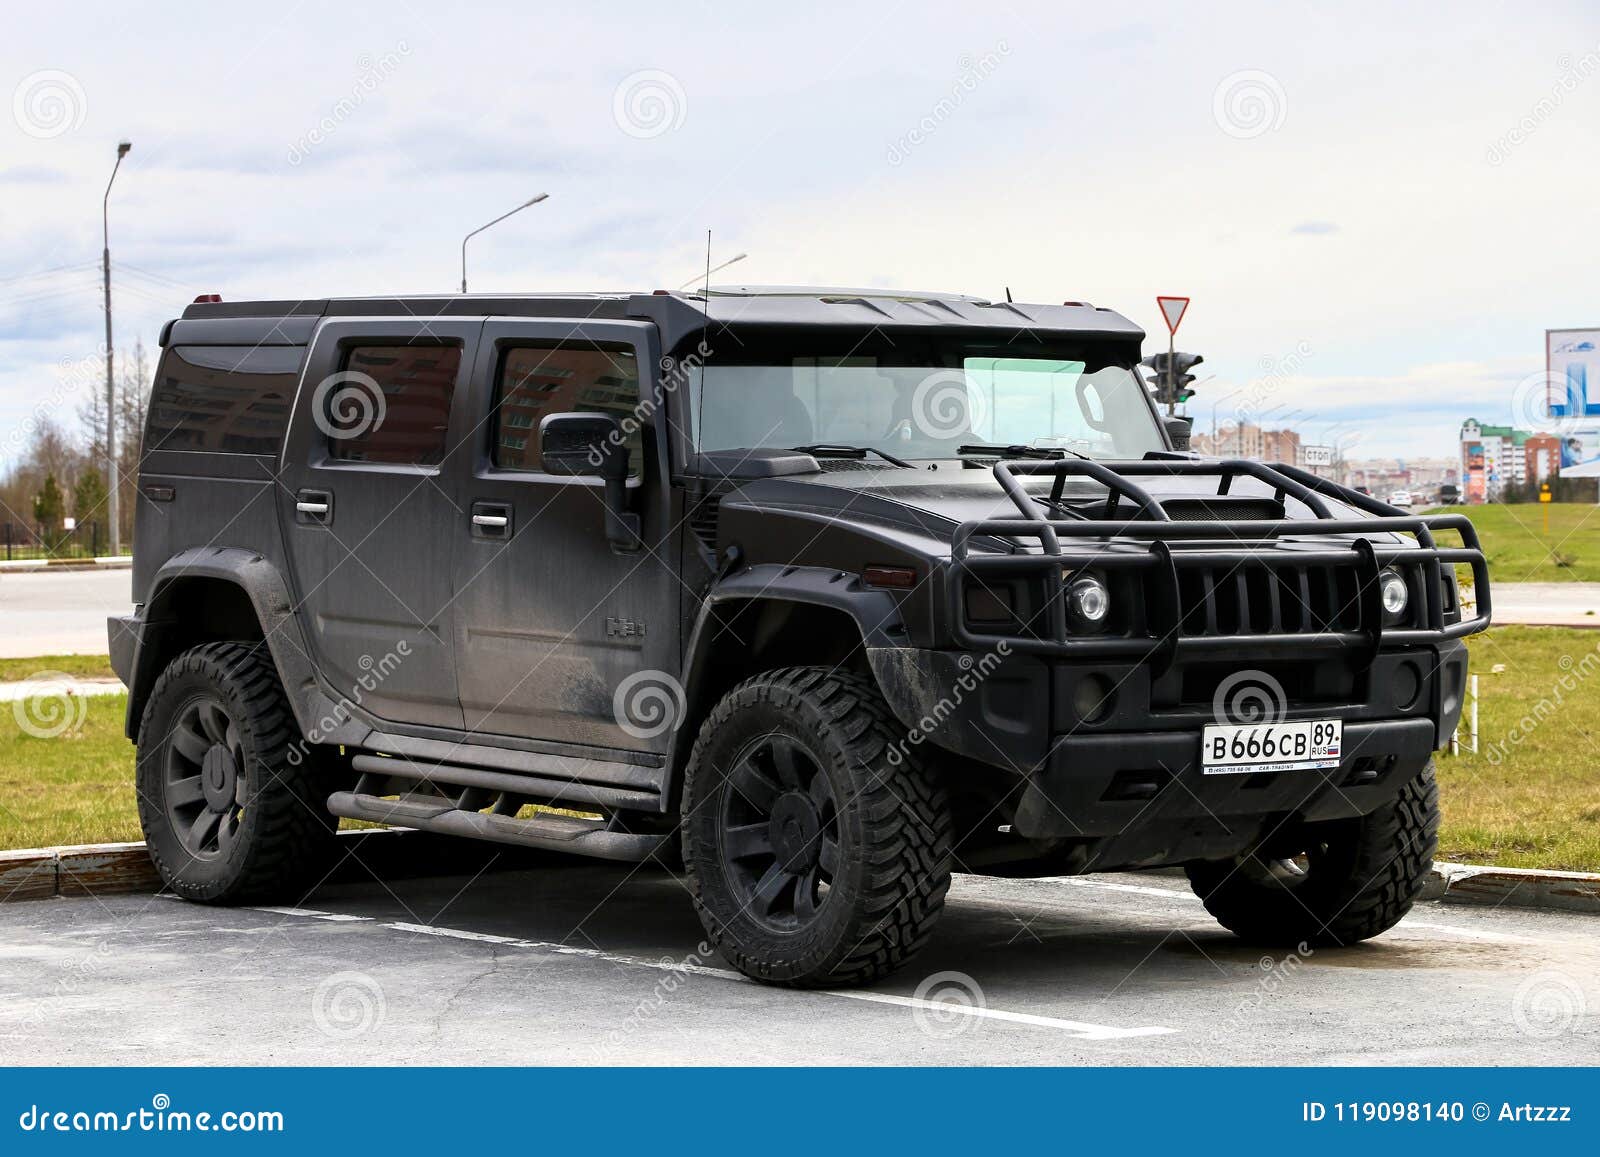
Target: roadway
{"points": [[591, 963]]}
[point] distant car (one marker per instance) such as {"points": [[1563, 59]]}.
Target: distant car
{"points": [[1367, 490], [1449, 495], [1400, 498]]}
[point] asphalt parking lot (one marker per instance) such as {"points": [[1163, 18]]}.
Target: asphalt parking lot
{"points": [[583, 963]]}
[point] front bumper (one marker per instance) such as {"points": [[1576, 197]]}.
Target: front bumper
{"points": [[1013, 711], [1114, 785]]}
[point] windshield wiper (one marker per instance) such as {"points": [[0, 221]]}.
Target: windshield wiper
{"points": [[834, 450], [1017, 450]]}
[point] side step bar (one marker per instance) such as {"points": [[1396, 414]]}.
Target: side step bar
{"points": [[549, 832], [564, 791]]}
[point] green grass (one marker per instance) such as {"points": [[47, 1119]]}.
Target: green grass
{"points": [[1519, 550], [78, 666], [1530, 798], [72, 788]]}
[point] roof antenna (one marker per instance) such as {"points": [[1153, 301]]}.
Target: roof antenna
{"points": [[1008, 293]]}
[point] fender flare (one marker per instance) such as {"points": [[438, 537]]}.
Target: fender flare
{"points": [[263, 585], [876, 615]]}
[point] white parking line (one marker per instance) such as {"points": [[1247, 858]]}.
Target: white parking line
{"points": [[1080, 1029], [310, 913]]}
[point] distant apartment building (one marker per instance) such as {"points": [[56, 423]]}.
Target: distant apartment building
{"points": [[1245, 440], [1493, 457]]}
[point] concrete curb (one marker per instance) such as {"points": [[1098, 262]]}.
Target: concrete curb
{"points": [[103, 869], [1514, 887], [387, 853], [55, 566]]}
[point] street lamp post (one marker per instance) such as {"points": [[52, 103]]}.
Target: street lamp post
{"points": [[481, 228], [1214, 406], [737, 257], [113, 482]]}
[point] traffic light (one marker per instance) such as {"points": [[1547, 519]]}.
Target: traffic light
{"points": [[1173, 382]]}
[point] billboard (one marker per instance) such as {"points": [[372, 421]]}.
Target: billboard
{"points": [[1474, 484], [1572, 369]]}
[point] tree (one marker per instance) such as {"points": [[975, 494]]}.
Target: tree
{"points": [[89, 497], [47, 511]]}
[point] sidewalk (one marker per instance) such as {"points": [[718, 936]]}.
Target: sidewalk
{"points": [[1547, 604], [104, 562]]}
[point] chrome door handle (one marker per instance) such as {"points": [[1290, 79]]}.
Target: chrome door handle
{"points": [[491, 521], [313, 507]]}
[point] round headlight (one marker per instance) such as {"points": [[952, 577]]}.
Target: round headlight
{"points": [[1088, 601], [1396, 595]]}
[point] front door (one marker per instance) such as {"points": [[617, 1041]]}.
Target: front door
{"points": [[558, 637], [368, 514]]}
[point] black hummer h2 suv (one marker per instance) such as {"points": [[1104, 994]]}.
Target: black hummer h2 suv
{"points": [[828, 592]]}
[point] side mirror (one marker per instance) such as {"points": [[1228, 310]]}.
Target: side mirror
{"points": [[1178, 431], [593, 446], [583, 445]]}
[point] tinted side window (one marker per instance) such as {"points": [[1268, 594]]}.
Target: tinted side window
{"points": [[557, 378], [233, 399], [392, 404]]}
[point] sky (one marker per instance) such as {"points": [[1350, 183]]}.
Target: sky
{"points": [[1377, 209]]}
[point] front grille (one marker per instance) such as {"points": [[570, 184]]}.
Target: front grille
{"points": [[1260, 600]]}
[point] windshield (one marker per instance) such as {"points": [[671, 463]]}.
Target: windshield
{"points": [[925, 400]]}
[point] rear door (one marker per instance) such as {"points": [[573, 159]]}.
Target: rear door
{"points": [[558, 637], [378, 427]]}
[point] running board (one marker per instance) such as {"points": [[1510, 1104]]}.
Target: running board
{"points": [[552, 833], [567, 791]]}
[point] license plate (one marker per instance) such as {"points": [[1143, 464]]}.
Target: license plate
{"points": [[1245, 749]]}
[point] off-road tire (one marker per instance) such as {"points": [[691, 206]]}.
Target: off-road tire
{"points": [[1361, 877], [283, 835], [891, 821]]}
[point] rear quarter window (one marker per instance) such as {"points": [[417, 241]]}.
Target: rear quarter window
{"points": [[222, 399]]}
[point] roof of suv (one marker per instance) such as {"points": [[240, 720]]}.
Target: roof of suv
{"points": [[676, 312]]}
